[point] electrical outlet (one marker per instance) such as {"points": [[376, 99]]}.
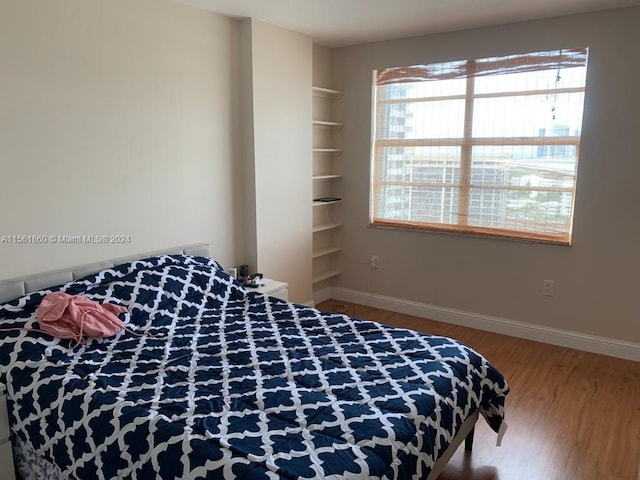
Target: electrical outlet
{"points": [[548, 287], [374, 261]]}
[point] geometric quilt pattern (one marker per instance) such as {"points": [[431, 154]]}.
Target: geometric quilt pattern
{"points": [[215, 381]]}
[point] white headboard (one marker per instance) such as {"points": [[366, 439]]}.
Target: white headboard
{"points": [[16, 287]]}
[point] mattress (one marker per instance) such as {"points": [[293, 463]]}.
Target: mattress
{"points": [[214, 381]]}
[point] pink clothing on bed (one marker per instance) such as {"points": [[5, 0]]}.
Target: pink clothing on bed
{"points": [[73, 316]]}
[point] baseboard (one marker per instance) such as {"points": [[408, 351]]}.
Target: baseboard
{"points": [[322, 295], [554, 336]]}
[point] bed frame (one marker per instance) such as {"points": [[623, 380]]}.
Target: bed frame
{"points": [[16, 287], [465, 434]]}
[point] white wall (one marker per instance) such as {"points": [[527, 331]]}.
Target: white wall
{"points": [[597, 278], [115, 118], [281, 69], [322, 74]]}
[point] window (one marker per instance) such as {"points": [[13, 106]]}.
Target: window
{"points": [[487, 146]]}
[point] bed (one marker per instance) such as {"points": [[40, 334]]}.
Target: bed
{"points": [[215, 381]]}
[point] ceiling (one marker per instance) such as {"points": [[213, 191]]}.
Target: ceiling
{"points": [[338, 23]]}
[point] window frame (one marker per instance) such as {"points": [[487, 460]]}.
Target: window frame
{"points": [[466, 144]]}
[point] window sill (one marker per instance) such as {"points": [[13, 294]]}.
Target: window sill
{"points": [[475, 232]]}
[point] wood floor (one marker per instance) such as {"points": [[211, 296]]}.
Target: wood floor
{"points": [[572, 415]]}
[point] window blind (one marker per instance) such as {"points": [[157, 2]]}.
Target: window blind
{"points": [[487, 146]]}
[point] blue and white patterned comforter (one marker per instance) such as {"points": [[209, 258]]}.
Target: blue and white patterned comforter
{"points": [[238, 385]]}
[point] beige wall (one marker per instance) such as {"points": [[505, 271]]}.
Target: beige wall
{"points": [[115, 118], [322, 74], [597, 278], [281, 68], [247, 202]]}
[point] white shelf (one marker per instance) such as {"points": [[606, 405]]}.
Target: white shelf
{"points": [[325, 275], [323, 252], [327, 150], [319, 204], [324, 123], [326, 177], [325, 266], [326, 226], [326, 92]]}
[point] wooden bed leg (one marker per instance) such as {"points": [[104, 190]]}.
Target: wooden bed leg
{"points": [[468, 441]]}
